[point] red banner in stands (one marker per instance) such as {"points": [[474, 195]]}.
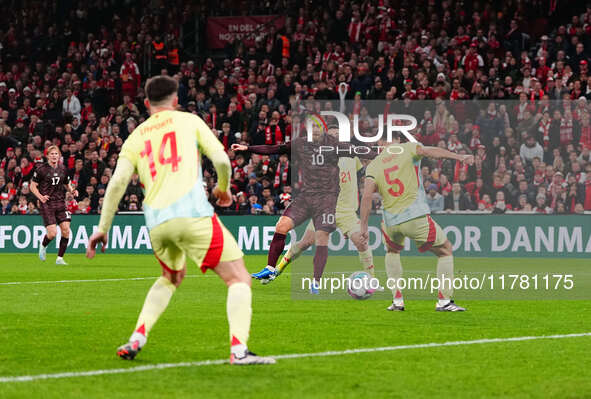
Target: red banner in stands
{"points": [[220, 30]]}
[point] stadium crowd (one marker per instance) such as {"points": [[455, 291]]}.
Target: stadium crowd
{"points": [[515, 97]]}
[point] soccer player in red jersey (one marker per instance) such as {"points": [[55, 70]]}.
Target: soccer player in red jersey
{"points": [[317, 160], [49, 185]]}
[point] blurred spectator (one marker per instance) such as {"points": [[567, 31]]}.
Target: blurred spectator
{"points": [[434, 199], [71, 105], [81, 88], [457, 199]]}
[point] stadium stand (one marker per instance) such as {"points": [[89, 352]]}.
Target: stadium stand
{"points": [[79, 85]]}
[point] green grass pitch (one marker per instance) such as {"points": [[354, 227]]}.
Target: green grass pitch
{"points": [[48, 328]]}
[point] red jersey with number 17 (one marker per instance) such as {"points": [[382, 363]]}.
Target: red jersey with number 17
{"points": [[52, 182]]}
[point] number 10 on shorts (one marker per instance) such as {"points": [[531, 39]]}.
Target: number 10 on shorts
{"points": [[327, 218]]}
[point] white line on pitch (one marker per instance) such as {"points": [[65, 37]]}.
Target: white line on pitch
{"points": [[99, 280], [160, 366]]}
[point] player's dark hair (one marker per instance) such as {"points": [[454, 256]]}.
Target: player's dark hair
{"points": [[161, 87]]}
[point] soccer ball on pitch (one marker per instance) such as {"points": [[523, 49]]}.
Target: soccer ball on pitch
{"points": [[359, 286]]}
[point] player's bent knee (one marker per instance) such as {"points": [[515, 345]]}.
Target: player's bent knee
{"points": [[51, 232], [233, 272], [322, 237], [443, 250], [359, 241], [307, 244], [175, 277], [284, 225]]}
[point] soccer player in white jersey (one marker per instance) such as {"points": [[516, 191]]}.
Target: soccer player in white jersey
{"points": [[395, 175], [165, 151]]}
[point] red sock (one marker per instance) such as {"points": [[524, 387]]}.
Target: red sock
{"points": [[320, 261], [276, 248], [63, 246]]}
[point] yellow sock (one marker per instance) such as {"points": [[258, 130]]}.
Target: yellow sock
{"points": [[366, 259], [239, 311], [283, 263], [394, 272], [156, 302], [292, 254], [445, 274]]}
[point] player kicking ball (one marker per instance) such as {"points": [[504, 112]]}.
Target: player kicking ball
{"points": [[346, 220], [395, 175], [49, 184], [317, 199], [165, 151]]}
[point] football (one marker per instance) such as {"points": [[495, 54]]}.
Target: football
{"points": [[359, 285]]}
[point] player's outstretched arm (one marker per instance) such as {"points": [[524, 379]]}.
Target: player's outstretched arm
{"points": [[263, 149], [115, 191], [436, 152], [369, 188]]}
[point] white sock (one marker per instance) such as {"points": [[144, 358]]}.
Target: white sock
{"points": [[442, 302], [239, 310], [141, 338], [156, 302], [394, 272], [366, 259], [445, 274]]}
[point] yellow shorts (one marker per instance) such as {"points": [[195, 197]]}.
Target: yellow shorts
{"points": [[347, 222], [424, 231], [205, 240]]}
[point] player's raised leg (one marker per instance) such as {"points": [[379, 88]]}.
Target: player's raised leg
{"points": [[239, 309], [51, 231], [65, 236], [282, 228], [296, 249]]}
